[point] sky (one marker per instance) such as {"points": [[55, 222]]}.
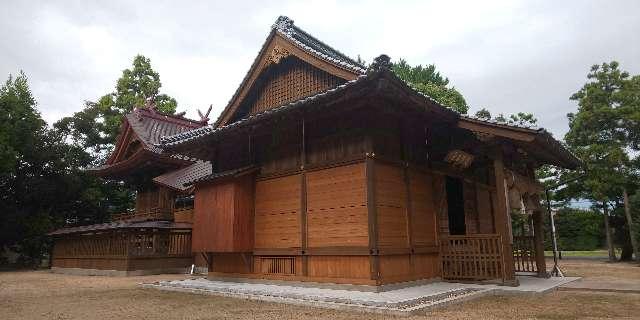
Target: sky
{"points": [[506, 56]]}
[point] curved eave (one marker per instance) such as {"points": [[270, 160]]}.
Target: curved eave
{"points": [[537, 140], [135, 163]]}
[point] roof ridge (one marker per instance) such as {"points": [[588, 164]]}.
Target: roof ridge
{"points": [[159, 114], [286, 27], [284, 24]]}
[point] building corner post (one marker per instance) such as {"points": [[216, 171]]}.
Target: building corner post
{"points": [[501, 220]]}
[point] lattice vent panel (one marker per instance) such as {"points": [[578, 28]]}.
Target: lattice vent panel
{"points": [[291, 80]]}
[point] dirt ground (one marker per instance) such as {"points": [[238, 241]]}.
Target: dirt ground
{"points": [[42, 295]]}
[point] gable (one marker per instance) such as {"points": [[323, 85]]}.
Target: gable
{"points": [[288, 80], [281, 48], [127, 144]]}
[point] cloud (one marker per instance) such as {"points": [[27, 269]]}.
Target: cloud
{"points": [[507, 56]]}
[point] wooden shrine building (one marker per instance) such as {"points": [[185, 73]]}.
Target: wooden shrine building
{"points": [[155, 236], [323, 170]]}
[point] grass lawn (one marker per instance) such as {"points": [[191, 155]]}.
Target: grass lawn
{"points": [[42, 295], [586, 254]]}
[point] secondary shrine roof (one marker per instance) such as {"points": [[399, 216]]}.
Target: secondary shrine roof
{"points": [[137, 142]]}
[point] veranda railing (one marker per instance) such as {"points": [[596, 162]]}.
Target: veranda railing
{"points": [[472, 257], [524, 254]]}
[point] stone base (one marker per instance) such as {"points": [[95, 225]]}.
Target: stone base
{"points": [[409, 300], [117, 273], [326, 285]]}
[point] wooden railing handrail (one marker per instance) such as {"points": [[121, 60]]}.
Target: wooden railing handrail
{"points": [[153, 213], [472, 236]]}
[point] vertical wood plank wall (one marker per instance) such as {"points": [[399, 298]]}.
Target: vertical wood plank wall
{"points": [[410, 210], [223, 216], [336, 207], [277, 213], [407, 232]]}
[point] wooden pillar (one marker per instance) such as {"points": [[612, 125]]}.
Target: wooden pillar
{"points": [[501, 221], [538, 238], [372, 214], [407, 185], [303, 201]]}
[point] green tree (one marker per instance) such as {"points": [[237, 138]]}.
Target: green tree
{"points": [[601, 136], [579, 229], [431, 83], [40, 184], [96, 127]]}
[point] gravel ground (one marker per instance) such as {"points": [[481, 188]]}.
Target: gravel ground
{"points": [[42, 295]]}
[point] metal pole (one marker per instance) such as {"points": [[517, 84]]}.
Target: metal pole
{"points": [[556, 272]]}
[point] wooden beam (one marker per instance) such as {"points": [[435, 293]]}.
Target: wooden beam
{"points": [[277, 252], [501, 220], [510, 133], [371, 210], [339, 251], [303, 200]]}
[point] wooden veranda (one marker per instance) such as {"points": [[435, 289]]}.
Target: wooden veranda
{"points": [[125, 249]]}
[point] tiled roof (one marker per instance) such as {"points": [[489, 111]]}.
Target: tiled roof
{"points": [[208, 130], [225, 174], [181, 178], [149, 125], [285, 27], [502, 124], [167, 141], [122, 225]]}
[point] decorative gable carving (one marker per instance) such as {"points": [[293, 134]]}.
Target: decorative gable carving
{"points": [[277, 54]]}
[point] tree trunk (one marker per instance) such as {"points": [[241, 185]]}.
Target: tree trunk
{"points": [[607, 230], [632, 229]]}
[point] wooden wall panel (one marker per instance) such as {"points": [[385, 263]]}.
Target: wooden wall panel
{"points": [[391, 200], [277, 212], [336, 207], [231, 263], [395, 268], [423, 220], [223, 216], [346, 267], [485, 210], [213, 217], [402, 268], [426, 266], [243, 224]]}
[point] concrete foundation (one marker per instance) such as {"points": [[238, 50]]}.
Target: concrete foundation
{"points": [[399, 301], [118, 273]]}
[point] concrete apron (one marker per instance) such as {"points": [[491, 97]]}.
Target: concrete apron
{"points": [[402, 301]]}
